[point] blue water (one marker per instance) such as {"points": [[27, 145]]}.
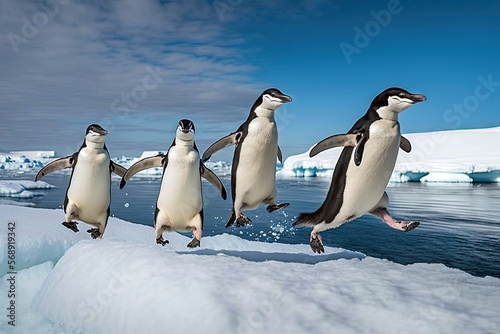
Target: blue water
{"points": [[459, 228]]}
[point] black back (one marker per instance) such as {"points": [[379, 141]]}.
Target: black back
{"points": [[244, 132], [335, 197]]}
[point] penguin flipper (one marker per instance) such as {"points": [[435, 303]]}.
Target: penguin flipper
{"points": [[150, 162], [405, 144], [208, 175], [231, 139], [118, 169], [280, 155], [350, 139], [61, 163]]}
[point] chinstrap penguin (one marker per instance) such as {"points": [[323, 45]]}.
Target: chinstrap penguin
{"points": [[179, 206], [364, 167], [88, 196], [253, 172]]}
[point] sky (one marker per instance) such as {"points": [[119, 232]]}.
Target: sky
{"points": [[138, 67]]}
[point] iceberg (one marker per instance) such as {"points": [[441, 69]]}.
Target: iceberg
{"points": [[19, 162], [440, 156], [125, 283], [24, 161], [21, 188]]}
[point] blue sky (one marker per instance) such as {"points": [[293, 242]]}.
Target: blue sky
{"points": [[137, 67]]}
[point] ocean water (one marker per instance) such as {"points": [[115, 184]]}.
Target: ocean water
{"points": [[460, 224]]}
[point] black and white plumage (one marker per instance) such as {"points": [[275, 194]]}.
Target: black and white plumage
{"points": [[364, 167], [253, 172], [179, 206], [88, 195]]}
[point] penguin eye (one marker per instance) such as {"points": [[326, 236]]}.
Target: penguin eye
{"points": [[401, 95], [273, 94]]}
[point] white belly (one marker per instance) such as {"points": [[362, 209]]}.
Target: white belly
{"points": [[256, 173], [90, 185], [180, 197], [366, 183]]}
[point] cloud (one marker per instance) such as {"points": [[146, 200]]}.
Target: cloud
{"points": [[68, 63]]}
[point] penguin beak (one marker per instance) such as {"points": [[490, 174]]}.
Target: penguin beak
{"points": [[99, 132], [285, 98], [417, 98]]}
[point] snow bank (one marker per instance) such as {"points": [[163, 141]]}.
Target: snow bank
{"points": [[20, 188], [149, 289], [125, 283], [467, 154], [40, 237]]}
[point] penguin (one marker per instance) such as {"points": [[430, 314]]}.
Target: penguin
{"points": [[88, 195], [179, 206], [364, 167], [253, 172]]}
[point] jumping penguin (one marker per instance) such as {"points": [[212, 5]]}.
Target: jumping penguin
{"points": [[364, 167], [253, 172], [180, 203], [88, 196]]}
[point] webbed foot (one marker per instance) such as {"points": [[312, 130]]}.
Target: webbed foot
{"points": [[242, 221], [274, 207], [194, 243], [94, 233], [161, 241], [317, 244], [71, 225], [408, 226]]}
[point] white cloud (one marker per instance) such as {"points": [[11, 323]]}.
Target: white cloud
{"points": [[65, 64]]}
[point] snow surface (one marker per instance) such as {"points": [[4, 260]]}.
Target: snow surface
{"points": [[441, 156], [125, 283]]}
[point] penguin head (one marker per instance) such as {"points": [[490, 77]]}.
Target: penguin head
{"points": [[271, 99], [95, 134], [392, 101], [185, 130]]}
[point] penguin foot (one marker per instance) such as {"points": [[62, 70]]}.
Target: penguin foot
{"points": [[194, 243], [408, 226], [94, 233], [317, 244], [242, 221], [72, 226], [274, 207], [162, 242]]}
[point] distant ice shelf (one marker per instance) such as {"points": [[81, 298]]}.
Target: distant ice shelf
{"points": [[31, 161], [21, 188], [441, 156], [455, 156]]}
